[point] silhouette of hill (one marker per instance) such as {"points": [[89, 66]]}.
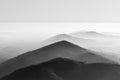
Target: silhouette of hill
{"points": [[94, 35], [61, 47], [67, 37], [89, 33], [66, 69], [100, 71]]}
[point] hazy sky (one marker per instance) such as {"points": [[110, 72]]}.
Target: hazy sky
{"points": [[73, 12], [60, 10], [24, 17], [27, 36], [29, 21], [46, 28]]}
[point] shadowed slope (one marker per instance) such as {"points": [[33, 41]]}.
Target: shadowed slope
{"points": [[62, 48], [66, 69], [100, 71], [59, 49], [54, 69]]}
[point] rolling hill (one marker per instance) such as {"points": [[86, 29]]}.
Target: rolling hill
{"points": [[63, 46], [66, 69]]}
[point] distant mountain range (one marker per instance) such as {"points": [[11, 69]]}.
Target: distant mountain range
{"points": [[88, 33], [94, 35], [63, 46], [86, 39]]}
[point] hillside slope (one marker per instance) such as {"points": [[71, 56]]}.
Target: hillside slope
{"points": [[62, 47], [67, 69]]}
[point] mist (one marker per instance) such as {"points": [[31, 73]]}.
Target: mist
{"points": [[18, 38]]}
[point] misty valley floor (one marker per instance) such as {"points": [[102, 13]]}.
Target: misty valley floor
{"points": [[67, 69]]}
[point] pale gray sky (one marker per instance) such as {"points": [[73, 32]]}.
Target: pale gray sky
{"points": [[46, 28], [60, 10], [24, 22], [18, 17], [22, 32]]}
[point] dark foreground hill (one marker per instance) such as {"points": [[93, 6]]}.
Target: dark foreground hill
{"points": [[64, 49], [67, 69]]}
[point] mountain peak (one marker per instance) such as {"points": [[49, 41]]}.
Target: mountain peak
{"points": [[61, 60], [63, 44], [88, 34], [63, 36], [92, 32]]}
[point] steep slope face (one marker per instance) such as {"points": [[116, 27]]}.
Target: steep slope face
{"points": [[62, 48], [100, 71], [55, 69], [67, 69], [59, 49]]}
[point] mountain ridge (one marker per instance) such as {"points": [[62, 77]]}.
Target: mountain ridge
{"points": [[62, 48], [66, 69]]}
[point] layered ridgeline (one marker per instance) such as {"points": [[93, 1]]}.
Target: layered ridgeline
{"points": [[105, 42], [88, 39], [63, 46], [66, 69], [91, 35]]}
